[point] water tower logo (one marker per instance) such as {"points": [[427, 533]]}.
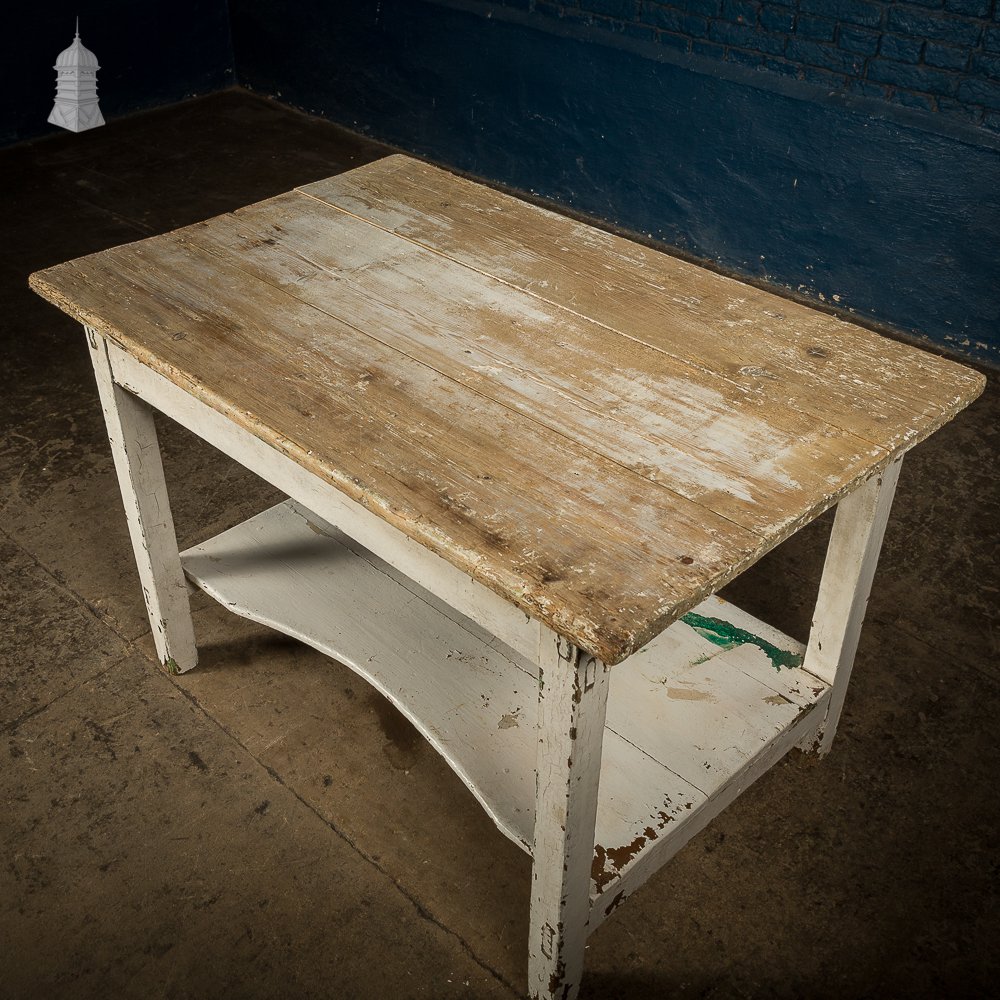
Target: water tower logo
{"points": [[76, 88]]}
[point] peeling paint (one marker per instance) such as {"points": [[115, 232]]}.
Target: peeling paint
{"points": [[686, 694], [509, 720], [557, 981], [777, 699], [609, 862]]}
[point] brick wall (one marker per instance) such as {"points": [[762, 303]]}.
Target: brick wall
{"points": [[939, 55]]}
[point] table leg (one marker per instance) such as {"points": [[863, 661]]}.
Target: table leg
{"points": [[851, 558], [151, 526], [572, 698]]}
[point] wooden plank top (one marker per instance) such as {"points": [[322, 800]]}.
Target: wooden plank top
{"points": [[599, 432]]}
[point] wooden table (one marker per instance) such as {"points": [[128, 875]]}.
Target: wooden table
{"points": [[518, 451]]}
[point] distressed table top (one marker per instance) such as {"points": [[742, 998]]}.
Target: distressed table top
{"points": [[599, 432]]}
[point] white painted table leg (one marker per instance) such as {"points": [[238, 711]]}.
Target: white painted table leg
{"points": [[572, 699], [843, 592], [151, 526]]}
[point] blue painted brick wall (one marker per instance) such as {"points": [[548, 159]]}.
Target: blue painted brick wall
{"points": [[938, 55]]}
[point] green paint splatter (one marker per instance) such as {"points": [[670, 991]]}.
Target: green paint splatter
{"points": [[728, 636]]}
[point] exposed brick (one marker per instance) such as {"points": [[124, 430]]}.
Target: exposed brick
{"points": [[823, 78], [677, 21], [946, 56], [772, 44], [866, 88], [986, 92], [958, 30], [671, 41], [974, 8], [820, 29], [633, 30], [854, 11], [702, 48], [743, 11], [623, 9], [731, 34], [707, 8], [910, 100], [826, 56], [782, 67], [754, 59], [858, 40], [924, 78], [901, 49], [939, 55], [959, 109], [777, 19], [987, 64]]}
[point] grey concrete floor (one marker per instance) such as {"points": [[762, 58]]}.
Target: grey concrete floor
{"points": [[267, 826]]}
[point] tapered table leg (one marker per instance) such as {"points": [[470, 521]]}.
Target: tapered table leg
{"points": [[140, 476], [850, 564]]}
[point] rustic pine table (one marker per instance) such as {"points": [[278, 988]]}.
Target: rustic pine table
{"points": [[519, 451]]}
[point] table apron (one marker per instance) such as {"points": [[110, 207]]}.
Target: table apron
{"points": [[456, 588]]}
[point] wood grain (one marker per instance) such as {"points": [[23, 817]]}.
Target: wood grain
{"points": [[603, 447], [790, 354], [522, 510], [664, 419]]}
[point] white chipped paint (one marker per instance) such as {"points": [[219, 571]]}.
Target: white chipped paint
{"points": [[136, 454], [850, 564]]}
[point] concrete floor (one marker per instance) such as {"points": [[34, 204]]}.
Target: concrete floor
{"points": [[267, 826]]}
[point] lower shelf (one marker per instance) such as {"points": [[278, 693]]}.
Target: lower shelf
{"points": [[692, 718]]}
